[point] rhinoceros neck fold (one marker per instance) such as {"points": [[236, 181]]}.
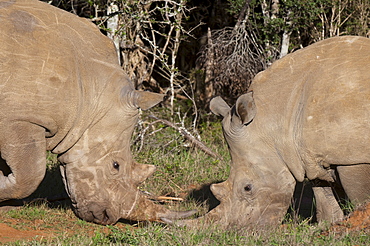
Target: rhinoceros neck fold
{"points": [[96, 110]]}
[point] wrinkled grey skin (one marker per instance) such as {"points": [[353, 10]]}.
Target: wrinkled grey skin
{"points": [[305, 116], [63, 90]]}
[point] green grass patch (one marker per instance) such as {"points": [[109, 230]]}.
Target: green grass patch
{"points": [[155, 234]]}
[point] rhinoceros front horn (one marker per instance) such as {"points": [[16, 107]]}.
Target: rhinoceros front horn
{"points": [[145, 209], [215, 216], [212, 217]]}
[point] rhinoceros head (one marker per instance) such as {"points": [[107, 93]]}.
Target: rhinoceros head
{"points": [[99, 172], [257, 192]]}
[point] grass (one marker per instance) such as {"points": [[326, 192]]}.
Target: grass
{"points": [[182, 171], [158, 234]]}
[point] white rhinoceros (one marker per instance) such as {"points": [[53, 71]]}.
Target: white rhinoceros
{"points": [[308, 115], [62, 89]]}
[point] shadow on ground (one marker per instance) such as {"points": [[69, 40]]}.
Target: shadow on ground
{"points": [[51, 192]]}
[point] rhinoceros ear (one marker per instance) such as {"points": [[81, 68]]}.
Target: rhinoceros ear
{"points": [[145, 99], [219, 107], [246, 108]]}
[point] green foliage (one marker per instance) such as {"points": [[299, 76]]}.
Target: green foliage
{"points": [[347, 206], [235, 6], [51, 160], [305, 21]]}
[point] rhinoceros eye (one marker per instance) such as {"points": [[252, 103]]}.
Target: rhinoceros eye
{"points": [[115, 165], [248, 187]]}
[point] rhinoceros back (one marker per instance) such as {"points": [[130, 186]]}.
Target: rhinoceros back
{"points": [[53, 64], [318, 100]]}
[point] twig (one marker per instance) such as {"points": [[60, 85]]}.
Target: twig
{"points": [[168, 198], [188, 136], [141, 135], [162, 198]]}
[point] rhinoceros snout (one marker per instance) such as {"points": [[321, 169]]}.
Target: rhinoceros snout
{"points": [[102, 217], [96, 213]]}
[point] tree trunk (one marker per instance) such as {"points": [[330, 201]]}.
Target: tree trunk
{"points": [[112, 25]]}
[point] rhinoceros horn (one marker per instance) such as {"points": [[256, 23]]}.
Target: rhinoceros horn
{"points": [[220, 191], [145, 209], [146, 99]]}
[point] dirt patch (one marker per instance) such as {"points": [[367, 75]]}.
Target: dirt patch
{"points": [[359, 220], [52, 224], [10, 234]]}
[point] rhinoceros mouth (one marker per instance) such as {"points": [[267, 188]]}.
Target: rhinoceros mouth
{"points": [[95, 213], [99, 217], [103, 218]]}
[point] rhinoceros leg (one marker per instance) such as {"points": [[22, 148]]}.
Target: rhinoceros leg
{"points": [[22, 147], [327, 207], [355, 180]]}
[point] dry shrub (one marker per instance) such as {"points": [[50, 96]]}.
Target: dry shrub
{"points": [[231, 58]]}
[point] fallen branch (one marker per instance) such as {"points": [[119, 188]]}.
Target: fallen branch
{"points": [[188, 136], [162, 198], [168, 198]]}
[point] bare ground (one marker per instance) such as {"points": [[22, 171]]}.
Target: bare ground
{"points": [[10, 234], [359, 220]]}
